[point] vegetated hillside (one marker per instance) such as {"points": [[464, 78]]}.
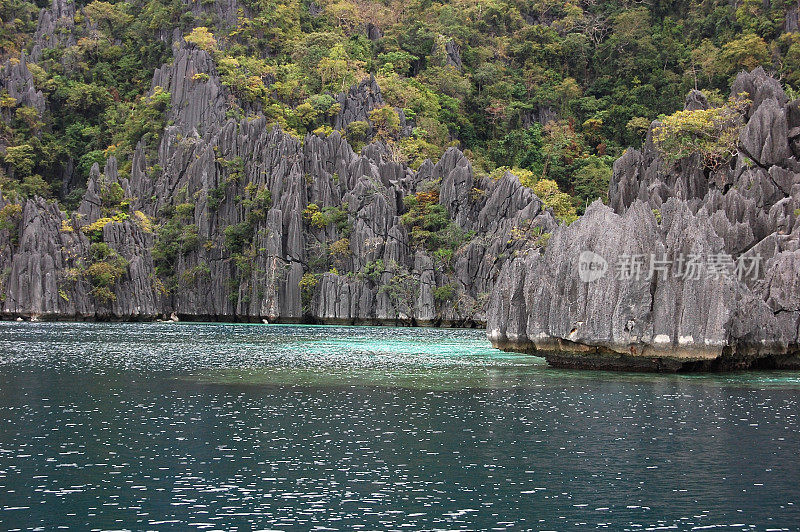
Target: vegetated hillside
{"points": [[341, 162], [556, 88]]}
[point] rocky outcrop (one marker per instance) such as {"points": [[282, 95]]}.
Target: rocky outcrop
{"points": [[219, 224], [651, 281], [198, 97], [17, 81], [359, 101], [792, 22], [46, 273], [234, 219], [373, 32], [54, 28], [223, 12]]}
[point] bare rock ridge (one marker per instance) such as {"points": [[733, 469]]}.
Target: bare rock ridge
{"points": [[256, 224], [17, 81], [545, 304], [234, 219]]}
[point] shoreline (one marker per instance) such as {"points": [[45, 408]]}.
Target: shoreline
{"points": [[558, 353], [564, 354], [194, 318]]}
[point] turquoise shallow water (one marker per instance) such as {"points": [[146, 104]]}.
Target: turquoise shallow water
{"points": [[210, 426]]}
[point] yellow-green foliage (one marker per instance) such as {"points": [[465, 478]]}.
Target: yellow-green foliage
{"points": [[416, 149], [202, 38], [552, 197], [542, 240], [328, 216], [657, 215], [308, 282], [9, 215], [308, 285], [20, 158], [6, 101], [143, 221], [96, 226], [546, 189], [309, 212], [525, 176], [712, 133], [341, 247], [323, 131], [95, 229], [106, 268], [386, 122], [319, 220]]}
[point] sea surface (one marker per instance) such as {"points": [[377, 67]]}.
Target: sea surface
{"points": [[274, 427]]}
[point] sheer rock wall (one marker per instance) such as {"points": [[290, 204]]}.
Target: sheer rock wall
{"points": [[217, 166], [748, 211]]}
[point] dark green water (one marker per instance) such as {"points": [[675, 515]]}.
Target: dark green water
{"points": [[195, 426]]}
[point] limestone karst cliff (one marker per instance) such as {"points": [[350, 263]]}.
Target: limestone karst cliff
{"points": [[746, 212], [221, 215], [256, 224]]}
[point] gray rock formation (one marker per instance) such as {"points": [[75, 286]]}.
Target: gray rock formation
{"points": [[46, 272], [373, 32], [792, 22], [453, 54], [54, 28], [220, 225], [688, 228], [198, 97], [237, 220], [224, 12], [17, 81], [359, 101]]}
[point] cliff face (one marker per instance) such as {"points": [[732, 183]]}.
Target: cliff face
{"points": [[233, 219], [670, 217], [236, 220]]}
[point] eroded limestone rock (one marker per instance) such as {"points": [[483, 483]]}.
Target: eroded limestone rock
{"points": [[747, 212]]}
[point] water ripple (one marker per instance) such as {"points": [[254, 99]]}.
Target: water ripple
{"points": [[200, 426]]}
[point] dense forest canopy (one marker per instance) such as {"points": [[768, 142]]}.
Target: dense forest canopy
{"points": [[556, 89]]}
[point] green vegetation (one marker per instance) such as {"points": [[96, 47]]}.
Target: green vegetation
{"points": [[321, 218], [712, 133], [10, 217], [657, 215], [175, 237], [429, 224], [340, 252], [552, 197], [114, 207], [105, 269], [97, 89], [372, 271], [445, 293], [308, 286], [237, 236], [552, 90], [94, 230], [402, 288]]}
